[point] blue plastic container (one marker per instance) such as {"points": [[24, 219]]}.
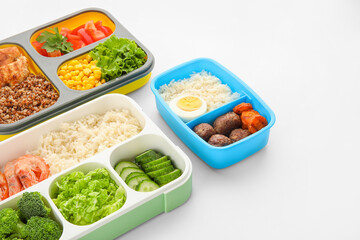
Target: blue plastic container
{"points": [[216, 157]]}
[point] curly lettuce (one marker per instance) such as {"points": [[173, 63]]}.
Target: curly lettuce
{"points": [[86, 198], [117, 57]]}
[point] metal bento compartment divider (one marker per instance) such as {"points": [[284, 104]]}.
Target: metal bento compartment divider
{"points": [[68, 98]]}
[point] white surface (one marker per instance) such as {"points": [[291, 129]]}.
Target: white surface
{"points": [[302, 58]]}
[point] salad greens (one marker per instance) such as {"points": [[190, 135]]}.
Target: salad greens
{"points": [[117, 57], [54, 41], [86, 198]]}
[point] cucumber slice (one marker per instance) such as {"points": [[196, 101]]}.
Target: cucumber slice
{"points": [[161, 172], [134, 181], [164, 179], [123, 164], [127, 170], [155, 162], [159, 155], [158, 166], [146, 157], [146, 186], [134, 174]]}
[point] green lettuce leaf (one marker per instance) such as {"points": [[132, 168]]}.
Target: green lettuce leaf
{"points": [[86, 198], [117, 57]]}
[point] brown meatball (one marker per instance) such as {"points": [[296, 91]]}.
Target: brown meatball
{"points": [[238, 134], [204, 130], [219, 140], [226, 123]]}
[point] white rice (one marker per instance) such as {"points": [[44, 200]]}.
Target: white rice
{"points": [[203, 85], [79, 140]]}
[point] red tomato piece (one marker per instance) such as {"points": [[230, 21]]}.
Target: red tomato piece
{"points": [[75, 31], [95, 34], [73, 37], [39, 49], [65, 31], [85, 37], [55, 53], [101, 28], [76, 44]]}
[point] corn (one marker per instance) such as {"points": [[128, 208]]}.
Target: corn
{"points": [[81, 74]]}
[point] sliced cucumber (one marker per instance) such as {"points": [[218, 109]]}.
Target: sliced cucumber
{"points": [[146, 157], [127, 170], [146, 186], [134, 174], [164, 179], [159, 155], [123, 164], [134, 181], [158, 166], [161, 172], [155, 162]]}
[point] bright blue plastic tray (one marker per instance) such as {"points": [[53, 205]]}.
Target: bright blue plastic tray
{"points": [[216, 157]]}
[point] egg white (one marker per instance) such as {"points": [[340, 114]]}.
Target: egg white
{"points": [[187, 115]]}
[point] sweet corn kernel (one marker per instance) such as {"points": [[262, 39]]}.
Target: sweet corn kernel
{"points": [[88, 58], [70, 68], [102, 81]]}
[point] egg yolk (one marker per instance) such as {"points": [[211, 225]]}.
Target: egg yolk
{"points": [[189, 103]]}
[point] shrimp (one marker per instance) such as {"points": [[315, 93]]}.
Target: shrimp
{"points": [[31, 170], [4, 188], [13, 181]]}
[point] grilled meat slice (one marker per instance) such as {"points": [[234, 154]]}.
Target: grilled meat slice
{"points": [[14, 72], [9, 55]]}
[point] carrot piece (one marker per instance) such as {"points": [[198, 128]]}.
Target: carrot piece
{"points": [[242, 107]]}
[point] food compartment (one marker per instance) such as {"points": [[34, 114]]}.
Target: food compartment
{"points": [[73, 33], [24, 88], [87, 193], [106, 62], [226, 152], [35, 217], [148, 162]]}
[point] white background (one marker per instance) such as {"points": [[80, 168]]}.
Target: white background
{"points": [[302, 58]]}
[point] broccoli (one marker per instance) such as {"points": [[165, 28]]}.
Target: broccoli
{"points": [[38, 228], [10, 225], [31, 204]]}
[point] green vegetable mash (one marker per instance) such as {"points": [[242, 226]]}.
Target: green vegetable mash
{"points": [[117, 57], [86, 198]]}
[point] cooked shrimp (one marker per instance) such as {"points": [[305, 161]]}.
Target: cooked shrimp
{"points": [[13, 181], [31, 169], [4, 188]]}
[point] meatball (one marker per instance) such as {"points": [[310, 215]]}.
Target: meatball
{"points": [[204, 130], [238, 134], [226, 123], [219, 140]]}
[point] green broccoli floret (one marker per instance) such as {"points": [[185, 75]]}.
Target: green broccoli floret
{"points": [[38, 228], [10, 225], [31, 204]]}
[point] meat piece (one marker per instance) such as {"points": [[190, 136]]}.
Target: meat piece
{"points": [[226, 123], [219, 140], [14, 72], [242, 107], [204, 130], [238, 134], [9, 55]]}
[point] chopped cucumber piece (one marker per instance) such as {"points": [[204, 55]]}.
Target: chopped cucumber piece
{"points": [[155, 162], [161, 172], [146, 157], [123, 164], [134, 174], [127, 170], [158, 166], [164, 179], [134, 181], [159, 155], [146, 186]]}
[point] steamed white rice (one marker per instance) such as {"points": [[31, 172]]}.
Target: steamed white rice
{"points": [[79, 140], [204, 85]]}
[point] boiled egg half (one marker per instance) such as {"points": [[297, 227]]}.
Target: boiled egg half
{"points": [[188, 107]]}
